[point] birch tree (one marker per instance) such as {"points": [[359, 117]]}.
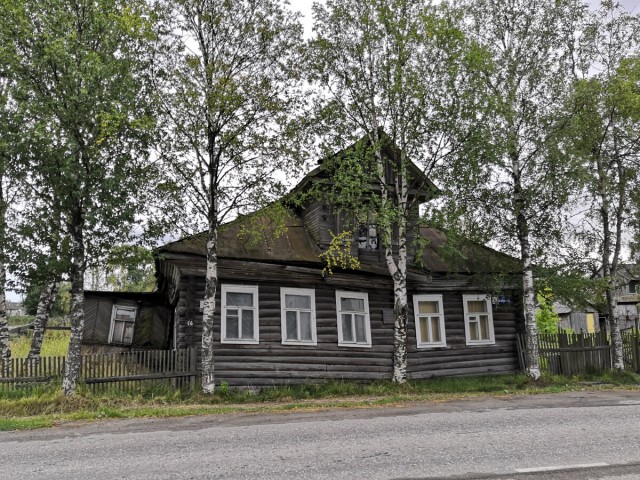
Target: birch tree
{"points": [[400, 74], [81, 74], [232, 87], [526, 179], [606, 136]]}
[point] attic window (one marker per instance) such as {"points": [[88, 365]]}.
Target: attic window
{"points": [[368, 237], [123, 319]]}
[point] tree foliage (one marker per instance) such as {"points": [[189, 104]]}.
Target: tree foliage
{"points": [[520, 182], [394, 81], [81, 73], [231, 83], [605, 137]]}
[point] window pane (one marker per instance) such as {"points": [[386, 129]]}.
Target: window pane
{"points": [[351, 304], [128, 333], [424, 330], [237, 299], [484, 327], [361, 332], [232, 324], [305, 327], [427, 307], [297, 301], [118, 332], [125, 315], [476, 306], [247, 324], [347, 334], [435, 330], [473, 330], [292, 326]]}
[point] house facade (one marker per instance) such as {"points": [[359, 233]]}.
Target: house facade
{"points": [[282, 318]]}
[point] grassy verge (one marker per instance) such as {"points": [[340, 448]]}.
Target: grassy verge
{"points": [[47, 406], [55, 343]]}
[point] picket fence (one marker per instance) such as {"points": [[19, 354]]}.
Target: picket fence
{"points": [[120, 371], [576, 353]]}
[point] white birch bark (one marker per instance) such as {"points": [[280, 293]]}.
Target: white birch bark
{"points": [[208, 314], [609, 268], [74, 358], [45, 302], [528, 292], [5, 346]]}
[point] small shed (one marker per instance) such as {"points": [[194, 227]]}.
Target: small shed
{"points": [[121, 321]]}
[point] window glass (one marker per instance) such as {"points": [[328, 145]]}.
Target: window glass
{"points": [[351, 304], [435, 330], [247, 324], [292, 325], [347, 334], [305, 327], [424, 329], [427, 307], [476, 306], [361, 329], [298, 301], [238, 299]]}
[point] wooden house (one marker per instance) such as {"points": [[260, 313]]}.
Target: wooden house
{"points": [[280, 318]]}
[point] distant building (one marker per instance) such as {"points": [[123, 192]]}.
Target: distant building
{"points": [[15, 309]]}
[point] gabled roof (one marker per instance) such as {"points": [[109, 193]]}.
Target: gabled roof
{"points": [[295, 246], [427, 188]]}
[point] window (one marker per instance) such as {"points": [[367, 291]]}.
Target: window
{"points": [[429, 317], [478, 320], [298, 316], [368, 237], [239, 314], [353, 319], [123, 319]]}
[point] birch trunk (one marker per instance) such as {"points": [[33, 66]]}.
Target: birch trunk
{"points": [[45, 302], [401, 313], [609, 267], [399, 274], [528, 292], [74, 358], [208, 314], [5, 346]]}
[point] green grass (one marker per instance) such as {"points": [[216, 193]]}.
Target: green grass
{"points": [[55, 343], [46, 406], [16, 320]]}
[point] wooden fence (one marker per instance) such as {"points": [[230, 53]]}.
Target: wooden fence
{"points": [[121, 371], [576, 353]]}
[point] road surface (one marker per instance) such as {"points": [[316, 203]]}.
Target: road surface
{"points": [[587, 435]]}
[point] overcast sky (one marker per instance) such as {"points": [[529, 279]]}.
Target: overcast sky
{"points": [[304, 7]]}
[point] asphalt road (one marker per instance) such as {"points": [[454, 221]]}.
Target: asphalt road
{"points": [[570, 436]]}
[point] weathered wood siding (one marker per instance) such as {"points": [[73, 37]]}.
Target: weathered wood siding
{"points": [[457, 358], [270, 362]]}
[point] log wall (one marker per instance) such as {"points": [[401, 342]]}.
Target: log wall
{"points": [[270, 362]]}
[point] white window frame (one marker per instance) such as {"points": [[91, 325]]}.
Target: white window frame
{"points": [[114, 310], [308, 292], [226, 288], [468, 318], [362, 296], [440, 315]]}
